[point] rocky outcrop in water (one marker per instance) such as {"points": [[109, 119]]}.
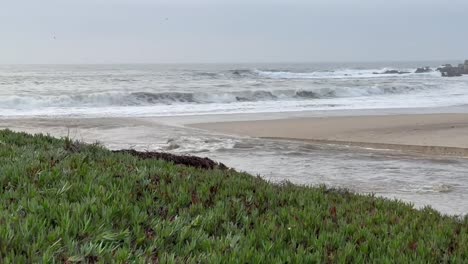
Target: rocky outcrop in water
{"points": [[448, 70], [423, 70]]}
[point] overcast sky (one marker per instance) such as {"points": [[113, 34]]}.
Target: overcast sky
{"points": [[170, 31]]}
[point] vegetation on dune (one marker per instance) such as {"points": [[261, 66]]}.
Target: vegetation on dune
{"points": [[62, 201]]}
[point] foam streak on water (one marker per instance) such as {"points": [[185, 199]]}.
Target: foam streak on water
{"points": [[171, 90]]}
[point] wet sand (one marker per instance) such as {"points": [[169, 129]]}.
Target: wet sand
{"points": [[440, 134], [438, 181]]}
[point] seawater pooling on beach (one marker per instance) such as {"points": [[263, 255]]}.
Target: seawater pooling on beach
{"points": [[40, 98], [440, 182]]}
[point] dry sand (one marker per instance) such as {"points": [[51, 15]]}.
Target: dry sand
{"points": [[441, 134]]}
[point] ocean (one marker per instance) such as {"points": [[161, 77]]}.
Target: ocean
{"points": [[132, 94], [174, 90]]}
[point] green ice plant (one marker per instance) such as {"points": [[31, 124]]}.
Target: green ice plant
{"points": [[65, 201]]}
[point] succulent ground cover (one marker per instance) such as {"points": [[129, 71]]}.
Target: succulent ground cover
{"points": [[64, 201]]}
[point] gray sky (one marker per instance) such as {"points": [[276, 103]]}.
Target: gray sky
{"points": [[159, 31]]}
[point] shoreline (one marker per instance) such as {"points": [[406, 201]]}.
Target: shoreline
{"points": [[421, 133], [433, 134], [368, 169], [424, 150]]}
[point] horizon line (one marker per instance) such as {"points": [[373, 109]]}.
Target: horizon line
{"points": [[221, 63]]}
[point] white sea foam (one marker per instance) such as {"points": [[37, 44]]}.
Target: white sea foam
{"points": [[148, 90], [341, 74]]}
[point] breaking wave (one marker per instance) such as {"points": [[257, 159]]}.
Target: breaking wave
{"points": [[339, 74], [322, 74], [168, 98]]}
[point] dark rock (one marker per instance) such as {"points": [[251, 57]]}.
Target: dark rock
{"points": [[423, 70], [461, 68], [444, 67], [449, 71], [192, 161]]}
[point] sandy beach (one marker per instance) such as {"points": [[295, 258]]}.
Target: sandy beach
{"points": [[439, 134], [445, 134], [406, 174]]}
